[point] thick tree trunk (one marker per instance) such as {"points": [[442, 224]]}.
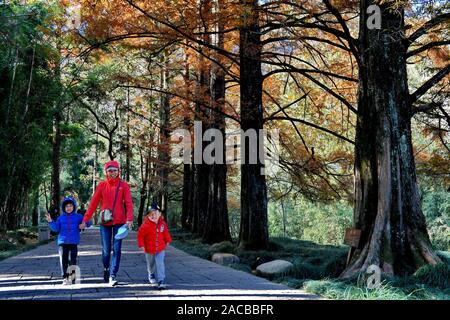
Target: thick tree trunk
{"points": [[186, 196], [201, 170], [217, 227], [200, 197], [253, 231], [387, 201]]}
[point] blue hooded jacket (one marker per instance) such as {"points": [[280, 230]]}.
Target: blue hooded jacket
{"points": [[67, 225]]}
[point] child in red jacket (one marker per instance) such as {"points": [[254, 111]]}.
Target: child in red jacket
{"points": [[153, 236]]}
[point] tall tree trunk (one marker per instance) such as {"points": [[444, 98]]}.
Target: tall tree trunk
{"points": [[128, 154], [283, 212], [56, 157], [164, 146], [111, 145], [387, 201], [30, 80], [145, 175], [201, 170], [254, 230], [190, 217], [186, 196], [35, 213], [94, 172], [217, 227], [200, 190], [185, 205], [13, 78]]}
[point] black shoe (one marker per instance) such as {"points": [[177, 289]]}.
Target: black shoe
{"points": [[112, 281], [161, 285], [106, 275], [72, 277]]}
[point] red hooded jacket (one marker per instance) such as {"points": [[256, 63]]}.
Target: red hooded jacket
{"points": [[105, 193], [154, 237]]}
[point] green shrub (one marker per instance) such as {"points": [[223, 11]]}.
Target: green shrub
{"points": [[440, 236], [343, 291], [305, 270], [255, 258], [335, 264], [292, 282], [224, 247], [436, 276], [6, 246]]}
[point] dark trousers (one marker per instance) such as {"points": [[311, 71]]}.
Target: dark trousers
{"points": [[68, 250]]}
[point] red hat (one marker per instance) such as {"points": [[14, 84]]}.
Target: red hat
{"points": [[112, 164]]}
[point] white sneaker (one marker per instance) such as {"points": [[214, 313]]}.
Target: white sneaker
{"points": [[152, 279], [112, 281], [65, 282]]}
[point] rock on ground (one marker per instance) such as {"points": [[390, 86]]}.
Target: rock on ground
{"points": [[224, 258], [272, 268]]}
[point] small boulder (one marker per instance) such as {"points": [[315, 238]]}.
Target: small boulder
{"points": [[224, 258], [273, 268]]}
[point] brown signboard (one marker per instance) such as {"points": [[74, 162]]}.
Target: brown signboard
{"points": [[352, 237]]}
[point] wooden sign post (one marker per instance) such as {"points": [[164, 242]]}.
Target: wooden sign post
{"points": [[351, 239]]}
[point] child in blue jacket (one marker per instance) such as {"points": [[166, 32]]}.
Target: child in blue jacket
{"points": [[67, 227]]}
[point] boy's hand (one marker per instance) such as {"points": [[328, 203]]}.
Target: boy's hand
{"points": [[49, 217]]}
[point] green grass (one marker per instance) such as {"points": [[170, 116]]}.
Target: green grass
{"points": [[317, 267], [15, 242], [394, 289]]}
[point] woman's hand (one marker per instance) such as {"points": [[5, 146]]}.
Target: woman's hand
{"points": [[130, 225], [82, 226], [49, 217]]}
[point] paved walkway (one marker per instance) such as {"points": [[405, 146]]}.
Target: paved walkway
{"points": [[35, 274]]}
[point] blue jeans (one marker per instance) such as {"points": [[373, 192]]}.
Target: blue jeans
{"points": [[108, 234], [155, 265]]}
